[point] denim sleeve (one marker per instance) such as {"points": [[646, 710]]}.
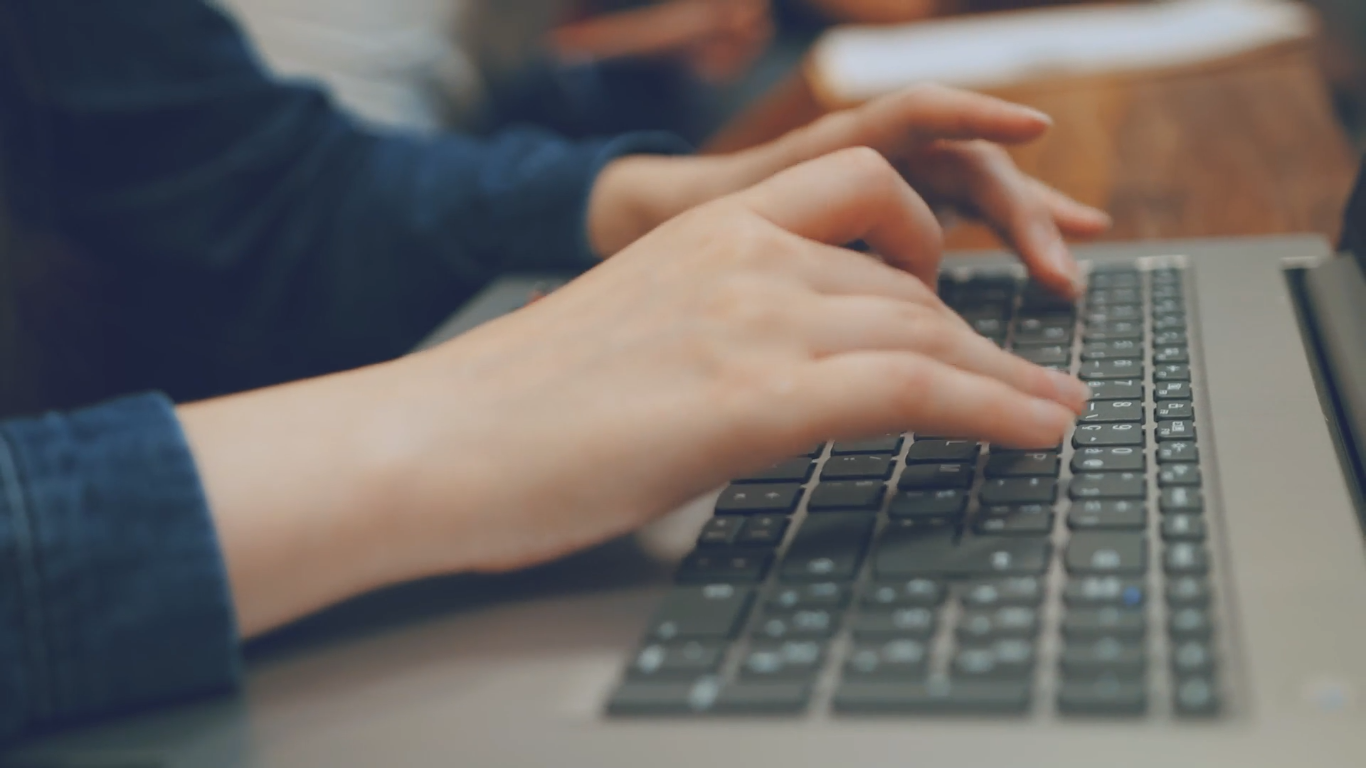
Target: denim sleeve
{"points": [[261, 233], [113, 594]]}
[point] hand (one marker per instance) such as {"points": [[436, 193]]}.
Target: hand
{"points": [[946, 142], [727, 339]]}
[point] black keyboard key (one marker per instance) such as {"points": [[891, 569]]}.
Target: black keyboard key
{"points": [[1169, 306], [800, 659], [747, 499], [1107, 296], [1196, 697], [1175, 431], [1096, 515], [1022, 520], [828, 548], [942, 451], [1101, 591], [1190, 624], [804, 623], [1117, 389], [1188, 592], [1169, 338], [1119, 349], [715, 611], [1186, 559], [1113, 412], [1169, 323], [1123, 349], [1174, 410], [1108, 277], [1193, 657], [1114, 313], [761, 530], [1049, 336], [1109, 486], [995, 593], [886, 444], [790, 471], [1117, 331], [1104, 657], [930, 477], [925, 593], [690, 660], [735, 566], [1107, 435], [1107, 695], [1041, 464], [848, 495], [1046, 355], [993, 326], [1020, 490], [1181, 499], [1183, 528], [1110, 369], [928, 504], [720, 532], [1168, 453], [655, 698], [938, 696], [821, 594], [1168, 355], [857, 467], [1171, 373], [1172, 390], [902, 658], [1123, 623], [1009, 659], [904, 553], [1105, 554], [1009, 621], [763, 698], [914, 622], [1108, 460]]}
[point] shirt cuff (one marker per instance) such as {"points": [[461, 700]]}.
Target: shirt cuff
{"points": [[115, 589]]}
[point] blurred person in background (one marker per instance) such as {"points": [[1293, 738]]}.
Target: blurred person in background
{"points": [[578, 67]]}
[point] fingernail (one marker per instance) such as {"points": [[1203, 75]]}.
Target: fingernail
{"points": [[1051, 417], [1038, 114], [1068, 390]]}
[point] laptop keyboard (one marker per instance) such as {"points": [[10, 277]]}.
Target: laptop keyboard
{"points": [[931, 575]]}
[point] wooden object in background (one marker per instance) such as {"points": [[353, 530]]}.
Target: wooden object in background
{"points": [[1247, 147]]}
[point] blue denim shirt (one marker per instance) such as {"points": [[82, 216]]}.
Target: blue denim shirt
{"points": [[256, 235]]}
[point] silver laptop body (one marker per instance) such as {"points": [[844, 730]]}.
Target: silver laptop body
{"points": [[520, 670]]}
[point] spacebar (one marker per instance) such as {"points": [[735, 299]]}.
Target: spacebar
{"points": [[904, 554]]}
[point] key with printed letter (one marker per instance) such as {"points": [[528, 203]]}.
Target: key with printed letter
{"points": [[828, 547]]}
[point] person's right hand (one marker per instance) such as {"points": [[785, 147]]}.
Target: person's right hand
{"points": [[727, 339]]}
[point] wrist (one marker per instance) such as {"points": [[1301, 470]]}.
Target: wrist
{"points": [[636, 193]]}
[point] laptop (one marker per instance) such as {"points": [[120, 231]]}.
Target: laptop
{"points": [[1182, 582]]}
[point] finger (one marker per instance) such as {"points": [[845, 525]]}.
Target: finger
{"points": [[866, 393], [983, 177], [854, 194], [835, 271], [909, 119], [841, 324], [1073, 218]]}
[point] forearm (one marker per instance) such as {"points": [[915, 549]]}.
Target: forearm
{"points": [[304, 484]]}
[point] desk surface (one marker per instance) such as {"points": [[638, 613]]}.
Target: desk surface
{"points": [[1243, 148]]}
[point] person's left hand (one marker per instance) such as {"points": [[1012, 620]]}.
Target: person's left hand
{"points": [[946, 142]]}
